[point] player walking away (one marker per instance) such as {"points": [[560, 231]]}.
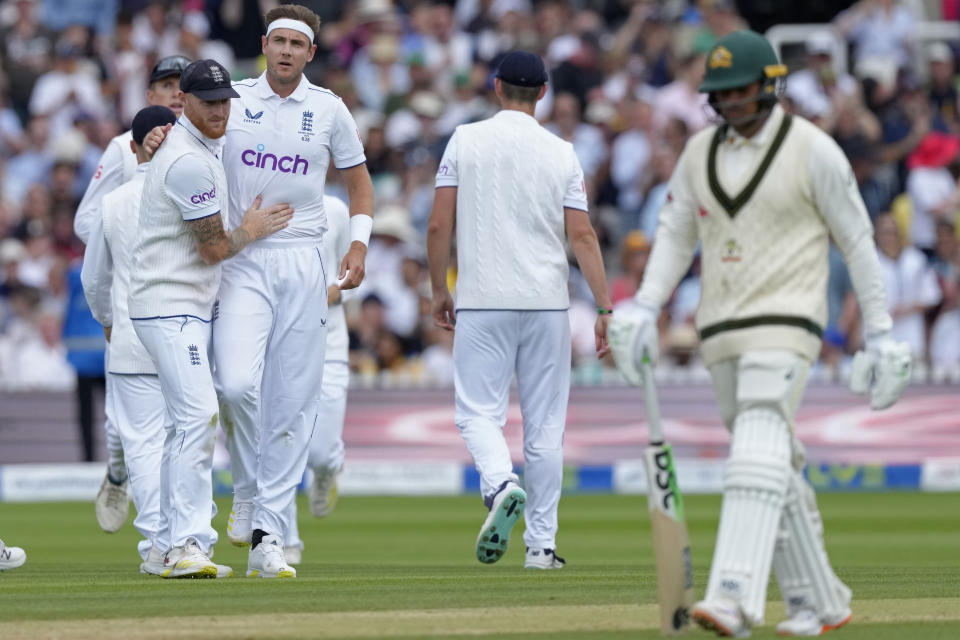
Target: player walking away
{"points": [[513, 188], [270, 334], [762, 193], [325, 456], [11, 557], [117, 166], [173, 285]]}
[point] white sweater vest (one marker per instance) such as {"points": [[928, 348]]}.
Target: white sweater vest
{"points": [[764, 260], [169, 278]]}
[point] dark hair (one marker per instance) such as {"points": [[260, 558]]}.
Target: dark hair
{"points": [[516, 93], [295, 12]]}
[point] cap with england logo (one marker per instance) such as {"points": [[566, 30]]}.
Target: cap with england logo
{"points": [[208, 80]]}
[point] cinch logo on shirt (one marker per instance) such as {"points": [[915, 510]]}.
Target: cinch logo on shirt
{"points": [[257, 158], [202, 196]]}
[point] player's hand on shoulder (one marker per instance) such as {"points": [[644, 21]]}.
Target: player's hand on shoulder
{"points": [[882, 369], [353, 266], [442, 309], [155, 138], [260, 223], [633, 338]]}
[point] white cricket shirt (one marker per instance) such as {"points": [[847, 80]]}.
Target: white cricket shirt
{"points": [[117, 165], [281, 148], [513, 180], [185, 182], [106, 274]]}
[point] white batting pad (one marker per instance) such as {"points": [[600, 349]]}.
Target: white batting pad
{"points": [[803, 569], [755, 486]]}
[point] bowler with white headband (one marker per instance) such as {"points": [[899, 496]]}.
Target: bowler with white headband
{"points": [[270, 334]]}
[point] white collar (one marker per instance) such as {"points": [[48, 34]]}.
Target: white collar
{"points": [[214, 145], [266, 91], [761, 138], [143, 166]]}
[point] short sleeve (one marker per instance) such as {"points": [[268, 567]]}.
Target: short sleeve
{"points": [[191, 184], [447, 171], [576, 193], [346, 147]]}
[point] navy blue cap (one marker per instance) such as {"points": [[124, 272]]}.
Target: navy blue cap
{"points": [[169, 66], [148, 118], [208, 80], [523, 69]]}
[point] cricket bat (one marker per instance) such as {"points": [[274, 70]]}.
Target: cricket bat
{"points": [[671, 543]]}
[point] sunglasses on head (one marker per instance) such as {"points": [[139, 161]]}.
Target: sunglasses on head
{"points": [[172, 63]]}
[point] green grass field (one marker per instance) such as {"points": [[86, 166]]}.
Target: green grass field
{"points": [[405, 568]]}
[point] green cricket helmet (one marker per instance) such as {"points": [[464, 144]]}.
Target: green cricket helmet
{"points": [[740, 59]]}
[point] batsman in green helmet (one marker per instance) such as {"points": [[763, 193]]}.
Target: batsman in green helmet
{"points": [[744, 80], [761, 193]]}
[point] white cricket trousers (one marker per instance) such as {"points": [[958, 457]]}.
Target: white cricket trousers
{"points": [[139, 415], [179, 347], [326, 446], [115, 464], [269, 340], [488, 347]]}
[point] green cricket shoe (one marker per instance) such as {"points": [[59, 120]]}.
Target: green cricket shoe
{"points": [[506, 509]]}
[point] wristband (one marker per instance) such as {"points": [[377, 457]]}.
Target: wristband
{"points": [[604, 311], [360, 226]]}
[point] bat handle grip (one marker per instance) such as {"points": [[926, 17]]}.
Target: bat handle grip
{"points": [[651, 403]]}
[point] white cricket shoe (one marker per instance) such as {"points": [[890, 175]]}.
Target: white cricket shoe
{"points": [[266, 561], [806, 622], [188, 561], [239, 524], [323, 492], [722, 617], [506, 509], [11, 557], [112, 504], [542, 559], [293, 555], [153, 565]]}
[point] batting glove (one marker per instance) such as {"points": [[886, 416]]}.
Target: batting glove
{"points": [[633, 338], [882, 370]]}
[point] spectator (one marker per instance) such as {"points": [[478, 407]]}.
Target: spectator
{"points": [[942, 92], [26, 52], [32, 165], [98, 15], [680, 99], [814, 88], [128, 67], [945, 336], [633, 261], [932, 184], [192, 42], [878, 29], [630, 158], [910, 283], [66, 90], [587, 140]]}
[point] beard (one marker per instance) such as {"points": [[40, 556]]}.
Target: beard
{"points": [[212, 130]]}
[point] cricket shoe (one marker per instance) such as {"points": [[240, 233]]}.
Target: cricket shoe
{"points": [[542, 559], [293, 555], [11, 557], [239, 524], [266, 561], [806, 622], [506, 508], [112, 504], [323, 492], [188, 561], [722, 617], [153, 565]]}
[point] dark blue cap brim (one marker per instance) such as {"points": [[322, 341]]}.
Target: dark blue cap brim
{"points": [[221, 93]]}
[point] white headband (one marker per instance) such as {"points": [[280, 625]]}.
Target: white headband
{"points": [[296, 25]]}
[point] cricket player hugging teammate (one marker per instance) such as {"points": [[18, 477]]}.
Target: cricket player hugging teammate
{"points": [[762, 192], [271, 302]]}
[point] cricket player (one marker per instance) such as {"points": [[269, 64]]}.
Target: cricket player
{"points": [[762, 193], [270, 334], [173, 286], [137, 401], [325, 456], [11, 557], [513, 189], [117, 166]]}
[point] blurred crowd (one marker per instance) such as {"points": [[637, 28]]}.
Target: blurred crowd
{"points": [[623, 90]]}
